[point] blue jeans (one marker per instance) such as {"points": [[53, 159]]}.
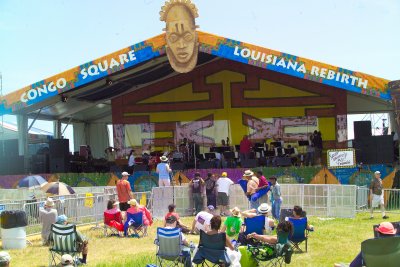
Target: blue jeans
{"points": [[276, 208], [254, 204]]}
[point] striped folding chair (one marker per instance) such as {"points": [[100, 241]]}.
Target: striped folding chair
{"points": [[63, 241], [169, 247]]}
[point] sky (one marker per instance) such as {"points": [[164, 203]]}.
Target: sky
{"points": [[39, 39]]}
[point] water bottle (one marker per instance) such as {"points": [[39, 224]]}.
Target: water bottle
{"points": [[192, 247]]}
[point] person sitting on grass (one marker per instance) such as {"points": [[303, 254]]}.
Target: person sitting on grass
{"points": [[233, 223], [385, 229], [264, 210], [171, 223], [179, 224], [284, 229], [82, 241], [202, 220], [4, 259]]}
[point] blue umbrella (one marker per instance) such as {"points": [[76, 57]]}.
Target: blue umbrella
{"points": [[32, 181]]}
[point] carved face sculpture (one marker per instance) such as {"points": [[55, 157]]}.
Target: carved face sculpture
{"points": [[181, 37]]}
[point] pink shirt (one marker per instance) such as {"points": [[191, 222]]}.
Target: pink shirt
{"points": [[245, 146], [262, 181], [147, 219]]}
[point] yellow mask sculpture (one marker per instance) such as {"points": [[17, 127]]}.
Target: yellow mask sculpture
{"points": [[181, 36]]}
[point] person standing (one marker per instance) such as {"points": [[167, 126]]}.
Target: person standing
{"points": [[276, 197], [131, 161], [245, 148], [124, 192], [252, 185], [196, 183], [163, 171], [48, 216], [317, 139], [223, 185], [210, 190], [376, 193]]}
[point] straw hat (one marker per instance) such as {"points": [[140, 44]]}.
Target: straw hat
{"points": [[132, 202], [163, 158], [49, 203], [235, 212], [264, 208], [248, 173], [386, 228]]}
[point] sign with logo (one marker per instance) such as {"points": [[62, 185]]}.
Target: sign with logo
{"points": [[341, 158], [89, 200]]}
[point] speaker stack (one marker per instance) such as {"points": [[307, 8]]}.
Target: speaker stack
{"points": [[10, 160], [372, 149], [59, 155]]}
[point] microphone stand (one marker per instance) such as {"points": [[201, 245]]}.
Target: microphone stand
{"points": [[171, 174]]}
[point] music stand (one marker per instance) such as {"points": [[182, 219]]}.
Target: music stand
{"points": [[276, 144], [289, 151], [237, 147], [304, 143], [210, 156], [229, 155]]}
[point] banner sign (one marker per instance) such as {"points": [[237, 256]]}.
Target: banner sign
{"points": [[208, 43], [341, 158], [89, 200], [294, 66]]}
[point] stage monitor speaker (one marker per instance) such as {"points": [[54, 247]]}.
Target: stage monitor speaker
{"points": [[374, 149], [362, 129], [40, 163], [177, 166], [206, 164], [140, 168], [249, 163], [59, 148]]}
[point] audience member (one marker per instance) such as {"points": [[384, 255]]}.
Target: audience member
{"points": [[67, 261], [48, 216], [131, 161], [5, 259], [298, 214], [202, 220], [211, 189], [179, 224], [163, 169], [276, 197], [215, 225], [376, 193], [233, 223], [245, 149], [112, 206], [171, 222], [124, 192], [263, 183], [196, 184], [136, 207], [309, 161], [386, 230], [284, 228], [252, 185], [82, 241], [263, 209], [223, 185]]}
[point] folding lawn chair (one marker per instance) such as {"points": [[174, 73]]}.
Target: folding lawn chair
{"points": [[63, 241], [134, 222], [271, 255], [381, 252], [113, 224], [169, 248], [211, 250], [300, 233], [255, 225]]}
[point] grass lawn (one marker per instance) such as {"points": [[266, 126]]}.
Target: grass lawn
{"points": [[334, 240]]}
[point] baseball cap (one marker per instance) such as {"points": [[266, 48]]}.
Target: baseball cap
{"points": [[4, 257], [125, 174], [377, 172], [210, 207], [67, 259], [62, 219]]}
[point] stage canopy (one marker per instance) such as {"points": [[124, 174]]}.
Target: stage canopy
{"points": [[237, 88]]}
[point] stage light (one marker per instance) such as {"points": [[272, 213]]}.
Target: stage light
{"points": [[64, 98]]}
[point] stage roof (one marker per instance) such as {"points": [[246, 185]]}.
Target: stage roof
{"points": [[83, 93]]}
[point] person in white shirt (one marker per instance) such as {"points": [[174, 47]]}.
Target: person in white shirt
{"points": [[131, 161], [202, 220], [223, 185]]}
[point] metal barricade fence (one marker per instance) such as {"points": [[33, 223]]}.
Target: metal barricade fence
{"points": [[362, 198], [392, 200]]}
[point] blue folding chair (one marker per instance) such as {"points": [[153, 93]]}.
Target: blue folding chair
{"points": [[255, 225], [170, 248], [134, 222], [300, 233]]}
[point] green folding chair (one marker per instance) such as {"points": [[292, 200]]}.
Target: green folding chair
{"points": [[63, 241], [381, 252]]}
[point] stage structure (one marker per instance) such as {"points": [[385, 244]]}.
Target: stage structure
{"points": [[156, 94]]}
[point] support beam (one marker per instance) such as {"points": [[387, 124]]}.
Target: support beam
{"points": [[57, 129], [22, 124]]}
